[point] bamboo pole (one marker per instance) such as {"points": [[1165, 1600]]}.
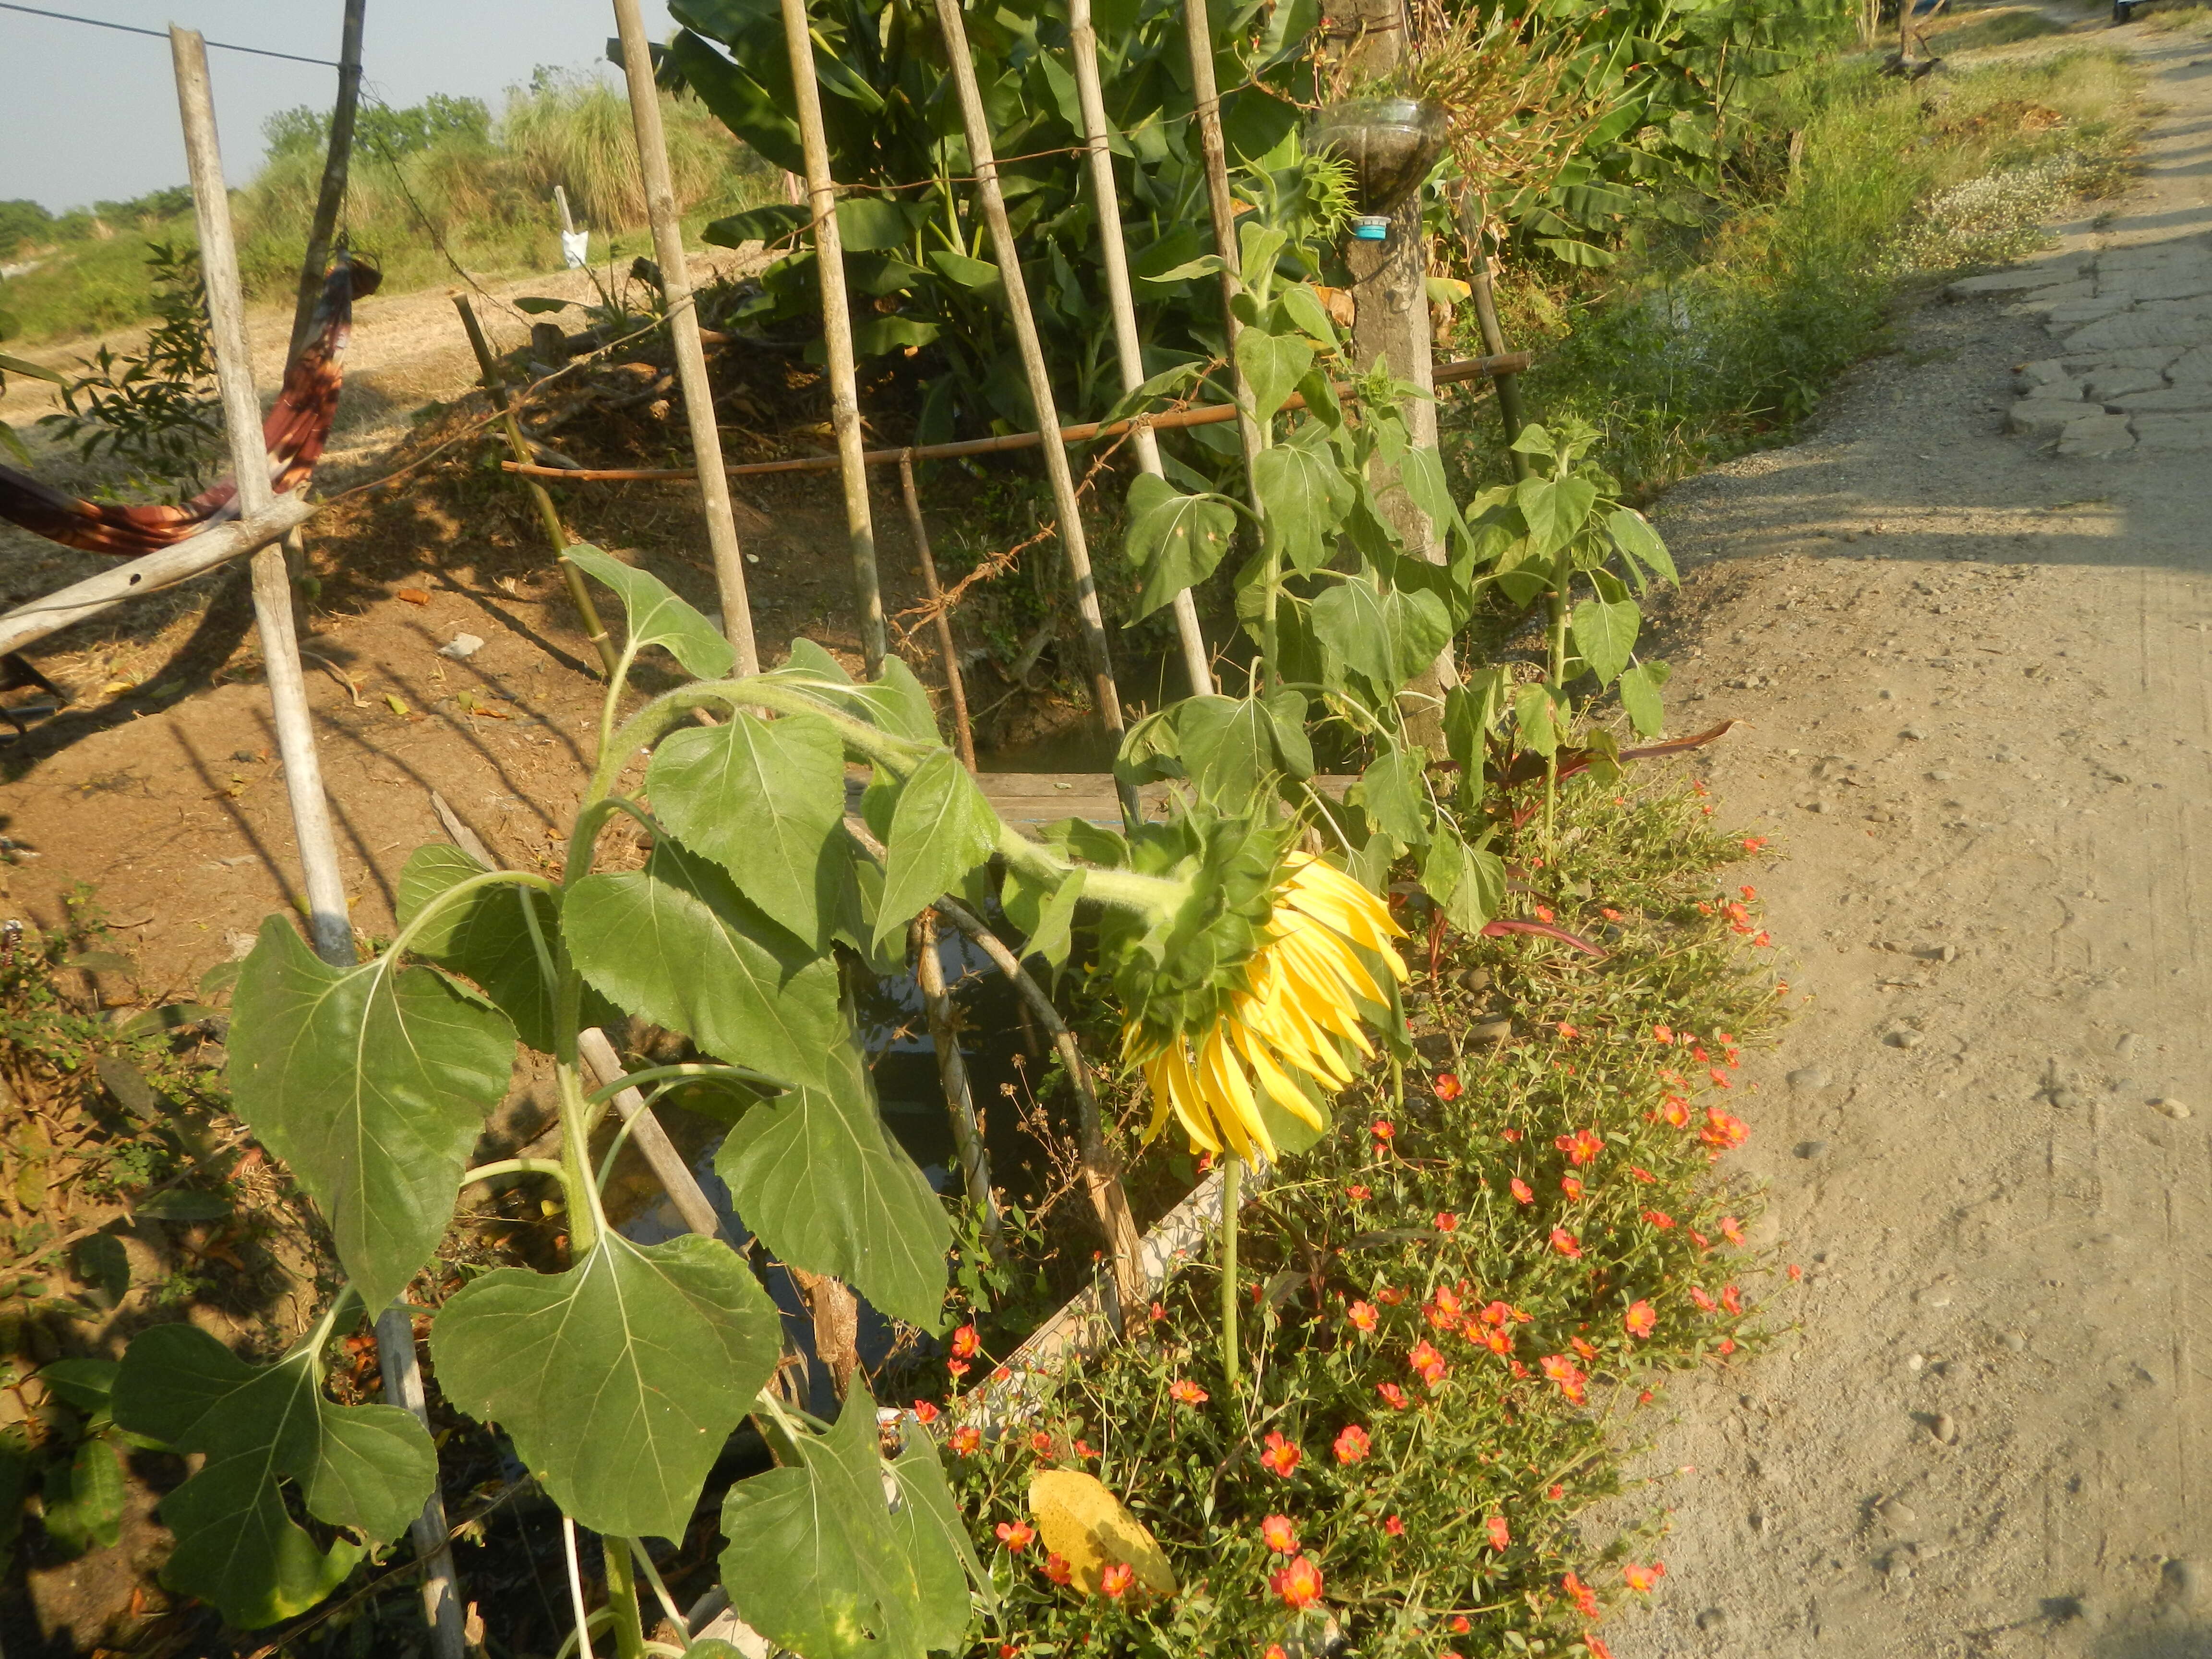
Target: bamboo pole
{"points": [[495, 384], [1472, 368], [952, 1071], [964, 738], [295, 735], [1205, 96], [1494, 340], [337, 160], [1083, 45], [683, 328], [836, 333], [1072, 544]]}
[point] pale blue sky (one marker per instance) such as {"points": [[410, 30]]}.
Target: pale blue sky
{"points": [[91, 115]]}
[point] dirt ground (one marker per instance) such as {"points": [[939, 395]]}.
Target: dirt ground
{"points": [[1975, 670]]}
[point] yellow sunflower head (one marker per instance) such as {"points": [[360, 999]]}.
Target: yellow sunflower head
{"points": [[1280, 1034]]}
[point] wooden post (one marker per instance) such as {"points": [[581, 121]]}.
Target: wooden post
{"points": [[586, 609], [336, 161], [683, 328], [1083, 46], [1198, 29], [952, 1071], [836, 333], [1508, 385], [964, 738], [1071, 540], [295, 734], [561, 201]]}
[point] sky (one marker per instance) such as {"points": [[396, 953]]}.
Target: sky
{"points": [[90, 114]]}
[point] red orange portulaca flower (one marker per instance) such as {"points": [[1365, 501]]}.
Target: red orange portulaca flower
{"points": [[1057, 1569], [1279, 1534], [1040, 1442], [1428, 1364], [967, 1442], [1016, 1535], [1566, 1244], [1597, 1649], [1732, 1230], [1662, 1034], [1116, 1579], [1184, 1392], [1446, 1222], [1394, 1526], [1281, 1456], [1390, 1295], [1705, 1303], [1459, 1627], [1447, 1085], [1566, 1374], [1358, 1194], [965, 1342], [1158, 1312], [1722, 1133], [1641, 1579], [1544, 913], [924, 1412], [1640, 1320], [1571, 1186], [1675, 1111], [1393, 1397], [1501, 1535], [1658, 1219], [1362, 1316], [1298, 1584], [1523, 1192], [1581, 1595], [1732, 1299], [1383, 1129], [1797, 1274], [1642, 1173], [1510, 1136], [1274, 1651], [1581, 1147], [1352, 1443], [959, 1368], [1587, 1354]]}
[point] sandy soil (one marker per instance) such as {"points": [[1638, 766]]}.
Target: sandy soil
{"points": [[1975, 670]]}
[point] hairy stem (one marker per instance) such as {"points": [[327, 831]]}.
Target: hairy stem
{"points": [[1232, 1179], [622, 1597]]}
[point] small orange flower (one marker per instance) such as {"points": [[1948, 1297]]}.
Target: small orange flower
{"points": [[1658, 1219], [1040, 1442], [1057, 1569], [1428, 1364], [1566, 1244], [1393, 1396], [1459, 1627], [1642, 1173], [1383, 1129], [967, 1442], [1566, 1374], [965, 1342], [1299, 1584], [1797, 1273], [1662, 1034], [1640, 1320], [1116, 1580], [1544, 913], [1390, 1295], [924, 1412], [1569, 1033], [1581, 1595], [1555, 1491], [1581, 1147], [1732, 1299], [1352, 1444], [1362, 1316], [959, 1368], [1609, 913], [1274, 1651], [1722, 1133], [1016, 1535], [1587, 1353], [1597, 1649], [1358, 1194], [1158, 1312], [1279, 1534], [1641, 1579], [1727, 1344], [1675, 1111], [1501, 1535], [1446, 1222], [1281, 1456], [1184, 1392], [1511, 1137], [1571, 1186], [1705, 1303], [1394, 1526], [1732, 1230], [1447, 1085]]}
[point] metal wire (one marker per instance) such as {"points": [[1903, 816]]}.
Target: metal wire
{"points": [[163, 34]]}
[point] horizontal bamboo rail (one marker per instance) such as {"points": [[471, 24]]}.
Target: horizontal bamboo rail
{"points": [[1471, 368]]}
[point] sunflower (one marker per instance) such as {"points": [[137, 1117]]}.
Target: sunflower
{"points": [[1281, 1026]]}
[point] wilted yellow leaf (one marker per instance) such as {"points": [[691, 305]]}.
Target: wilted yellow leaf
{"points": [[1086, 1526]]}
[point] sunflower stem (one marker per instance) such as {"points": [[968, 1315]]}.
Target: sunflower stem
{"points": [[1232, 1179], [1397, 1085]]}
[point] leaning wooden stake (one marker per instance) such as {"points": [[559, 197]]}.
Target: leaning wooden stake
{"points": [[683, 328], [1205, 97], [1083, 45], [337, 163], [836, 333], [295, 735], [952, 1071], [964, 738], [495, 384], [1070, 510]]}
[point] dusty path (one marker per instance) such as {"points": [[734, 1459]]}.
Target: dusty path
{"points": [[1977, 671]]}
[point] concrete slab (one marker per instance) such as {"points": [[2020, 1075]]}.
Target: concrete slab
{"points": [[2100, 435]]}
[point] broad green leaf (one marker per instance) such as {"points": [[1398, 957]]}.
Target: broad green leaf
{"points": [[9, 365], [484, 936], [538, 305], [1553, 508], [1050, 938], [1471, 709], [1419, 627], [1389, 791], [1640, 543], [1421, 472], [1272, 365], [765, 799], [1467, 881], [1639, 696], [1174, 540], [895, 703], [1534, 440], [1258, 246], [85, 1383], [618, 1380], [372, 1083], [1303, 307], [814, 1173], [369, 1467], [941, 829], [977, 275], [1233, 748], [1206, 264], [1537, 719], [84, 1497], [1605, 635], [817, 1563], [1303, 496], [931, 1533], [676, 943], [657, 617], [1354, 631]]}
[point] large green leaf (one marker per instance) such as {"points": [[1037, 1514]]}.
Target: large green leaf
{"points": [[1539, 718], [1553, 508], [1354, 632], [1640, 543], [618, 1380], [1174, 540], [1605, 635], [83, 1499], [1389, 791], [484, 936], [369, 1467], [1233, 749], [941, 829], [657, 617], [372, 1083], [676, 943], [828, 1191], [1303, 496], [1639, 696], [1418, 626], [818, 1563], [764, 799], [1468, 881], [1272, 365]]}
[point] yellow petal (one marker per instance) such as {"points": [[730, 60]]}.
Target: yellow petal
{"points": [[1189, 1106], [1272, 1078], [1229, 1092]]}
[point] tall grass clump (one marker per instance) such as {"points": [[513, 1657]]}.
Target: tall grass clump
{"points": [[1845, 187]]}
